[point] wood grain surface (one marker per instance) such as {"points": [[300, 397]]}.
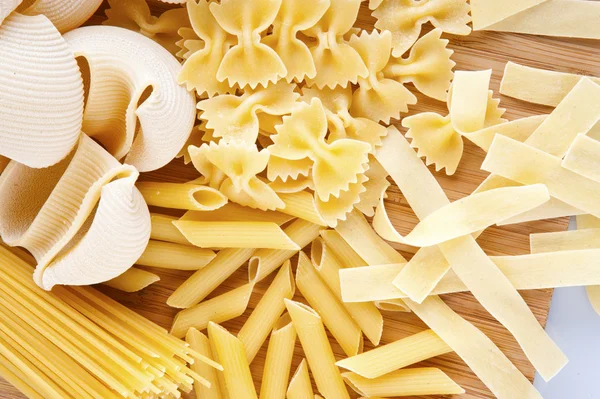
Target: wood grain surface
{"points": [[480, 50]]}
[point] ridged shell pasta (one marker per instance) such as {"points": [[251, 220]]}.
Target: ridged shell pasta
{"points": [[64, 14], [6, 7]]}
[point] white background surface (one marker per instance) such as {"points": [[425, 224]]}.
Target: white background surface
{"points": [[575, 327]]}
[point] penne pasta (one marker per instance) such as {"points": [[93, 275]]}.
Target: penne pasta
{"points": [[200, 343], [312, 335], [181, 196], [204, 281], [235, 235], [300, 386], [302, 205], [169, 255], [279, 359], [132, 280], [218, 309], [396, 355], [366, 315], [232, 356], [220, 376], [162, 229], [255, 330], [232, 212], [334, 315], [341, 249], [406, 382], [265, 261]]}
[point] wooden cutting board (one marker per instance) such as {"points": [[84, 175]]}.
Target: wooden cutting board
{"points": [[480, 50]]}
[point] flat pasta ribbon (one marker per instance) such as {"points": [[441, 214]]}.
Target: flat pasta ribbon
{"points": [[341, 124], [232, 166], [42, 122], [250, 62], [377, 97], [64, 14], [203, 48], [336, 165], [135, 15], [122, 66], [404, 19], [234, 117], [295, 16], [440, 139], [336, 62]]}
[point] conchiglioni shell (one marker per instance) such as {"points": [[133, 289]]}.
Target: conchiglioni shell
{"points": [[8, 6], [123, 66], [64, 14], [41, 92]]}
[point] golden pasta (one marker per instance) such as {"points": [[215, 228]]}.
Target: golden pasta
{"points": [[200, 343], [279, 359], [132, 280], [163, 229], [181, 196], [300, 386], [168, 255]]}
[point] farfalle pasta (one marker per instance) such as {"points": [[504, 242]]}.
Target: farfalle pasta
{"points": [[336, 62], [285, 168], [232, 166], [295, 16], [203, 49], [233, 117], [404, 19], [440, 138], [375, 186], [135, 15], [337, 207], [336, 165], [249, 62], [377, 97]]}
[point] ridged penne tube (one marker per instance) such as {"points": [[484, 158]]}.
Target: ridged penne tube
{"points": [[64, 14], [163, 229], [255, 330], [218, 310], [312, 335], [366, 315], [334, 315], [204, 281], [122, 65], [181, 196], [265, 261], [220, 376], [168, 255], [396, 355], [417, 381], [300, 386], [43, 123], [236, 235], [200, 343], [368, 245], [279, 359], [341, 249], [302, 205], [132, 280], [582, 157], [232, 212], [232, 356], [565, 240]]}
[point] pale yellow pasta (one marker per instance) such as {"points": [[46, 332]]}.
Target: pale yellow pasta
{"points": [[218, 309], [345, 331], [336, 63], [396, 355], [341, 249], [471, 264], [366, 315], [587, 222], [287, 168], [132, 280], [300, 386], [278, 362], [404, 19], [301, 205], [200, 343], [487, 12], [291, 186], [583, 238], [336, 208], [181, 196], [255, 330], [64, 14], [232, 356], [370, 283], [357, 232], [422, 273], [375, 188], [318, 352], [538, 86], [415, 381], [233, 212], [582, 157], [335, 165], [163, 229], [220, 377], [235, 234], [265, 261], [168, 255]]}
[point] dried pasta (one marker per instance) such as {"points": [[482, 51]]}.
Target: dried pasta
{"points": [[168, 255], [582, 157], [132, 280], [404, 19], [162, 229], [8, 6], [64, 14], [200, 343], [375, 188], [300, 386], [181, 196], [279, 359], [336, 208]]}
